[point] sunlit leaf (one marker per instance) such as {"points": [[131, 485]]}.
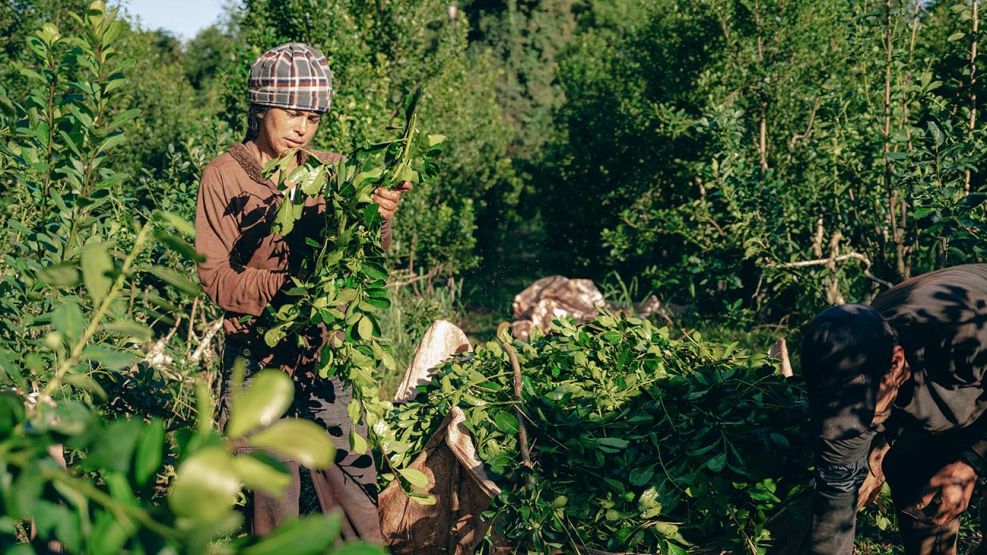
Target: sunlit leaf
{"points": [[205, 486], [268, 396], [302, 440], [97, 268]]}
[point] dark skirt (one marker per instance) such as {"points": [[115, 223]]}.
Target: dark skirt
{"points": [[350, 484]]}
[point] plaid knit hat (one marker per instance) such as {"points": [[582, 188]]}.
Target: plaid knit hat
{"points": [[293, 76]]}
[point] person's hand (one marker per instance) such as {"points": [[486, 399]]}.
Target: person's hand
{"points": [[388, 199], [953, 486]]}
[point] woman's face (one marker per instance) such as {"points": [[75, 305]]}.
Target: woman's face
{"points": [[284, 129]]}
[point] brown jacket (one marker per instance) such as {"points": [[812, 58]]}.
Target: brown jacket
{"points": [[246, 264]]}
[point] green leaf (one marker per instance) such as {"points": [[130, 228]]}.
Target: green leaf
{"points": [[260, 472], [611, 444], [129, 328], [415, 477], [284, 221], [109, 358], [150, 447], [358, 443], [717, 463], [115, 448], [268, 397], [309, 535], [179, 246], [641, 476], [507, 423], [10, 373], [175, 279], [365, 328], [11, 411], [274, 335], [302, 440], [313, 181], [112, 141], [97, 267], [110, 533], [179, 223], [68, 320], [374, 271], [205, 487], [72, 418], [124, 118], [60, 275]]}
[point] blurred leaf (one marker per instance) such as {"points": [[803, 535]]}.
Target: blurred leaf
{"points": [[97, 269], [175, 279], [309, 535], [150, 448], [111, 359], [130, 328], [301, 440], [109, 533], [179, 246], [11, 412], [115, 450], [205, 487], [67, 319], [176, 221], [65, 274], [260, 472], [267, 398]]}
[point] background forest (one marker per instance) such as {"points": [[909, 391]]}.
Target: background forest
{"points": [[746, 161]]}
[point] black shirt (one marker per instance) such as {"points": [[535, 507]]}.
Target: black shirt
{"points": [[941, 321]]}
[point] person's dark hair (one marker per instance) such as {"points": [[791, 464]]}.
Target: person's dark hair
{"points": [[253, 121]]}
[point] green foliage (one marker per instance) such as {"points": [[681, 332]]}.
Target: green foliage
{"points": [[346, 284], [728, 150], [641, 442], [90, 281]]}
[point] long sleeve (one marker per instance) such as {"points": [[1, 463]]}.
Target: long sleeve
{"points": [[834, 508], [229, 282], [976, 456], [841, 467], [385, 234]]}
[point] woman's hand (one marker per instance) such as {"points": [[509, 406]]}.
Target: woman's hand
{"points": [[388, 199]]}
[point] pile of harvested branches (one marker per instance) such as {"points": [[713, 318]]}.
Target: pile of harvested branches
{"points": [[640, 442]]}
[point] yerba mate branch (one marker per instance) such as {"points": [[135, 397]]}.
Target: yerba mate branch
{"points": [[345, 283]]}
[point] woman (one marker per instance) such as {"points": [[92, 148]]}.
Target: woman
{"points": [[246, 266]]}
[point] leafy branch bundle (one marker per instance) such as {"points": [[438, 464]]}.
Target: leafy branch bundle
{"points": [[345, 284], [641, 442]]}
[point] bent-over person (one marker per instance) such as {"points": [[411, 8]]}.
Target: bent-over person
{"points": [[911, 365], [246, 266]]}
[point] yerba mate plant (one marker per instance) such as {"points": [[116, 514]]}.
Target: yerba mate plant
{"points": [[641, 442], [344, 286]]}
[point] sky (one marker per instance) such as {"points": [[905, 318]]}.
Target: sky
{"points": [[184, 18]]}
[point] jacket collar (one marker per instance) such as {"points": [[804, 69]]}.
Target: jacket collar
{"points": [[243, 155]]}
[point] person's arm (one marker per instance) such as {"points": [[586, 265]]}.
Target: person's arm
{"points": [[231, 284], [387, 204], [841, 467]]}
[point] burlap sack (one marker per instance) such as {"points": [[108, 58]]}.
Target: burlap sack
{"points": [[462, 492]]}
